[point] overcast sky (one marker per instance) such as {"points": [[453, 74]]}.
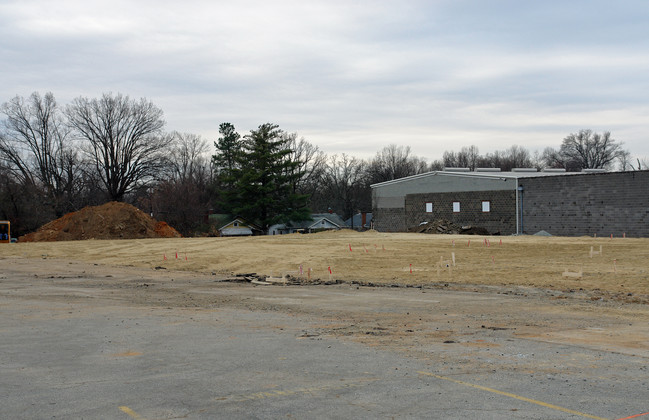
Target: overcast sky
{"points": [[349, 76]]}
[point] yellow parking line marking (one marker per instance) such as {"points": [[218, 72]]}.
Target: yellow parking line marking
{"points": [[131, 413], [518, 397]]}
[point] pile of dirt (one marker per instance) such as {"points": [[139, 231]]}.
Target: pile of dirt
{"points": [[443, 226], [109, 221]]}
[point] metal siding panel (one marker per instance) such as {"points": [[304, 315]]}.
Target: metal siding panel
{"points": [[391, 202], [444, 183]]}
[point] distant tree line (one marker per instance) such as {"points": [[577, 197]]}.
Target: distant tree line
{"points": [[54, 160]]}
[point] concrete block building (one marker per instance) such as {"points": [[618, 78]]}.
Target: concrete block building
{"points": [[522, 201]]}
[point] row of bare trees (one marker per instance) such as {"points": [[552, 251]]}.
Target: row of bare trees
{"points": [[55, 159]]}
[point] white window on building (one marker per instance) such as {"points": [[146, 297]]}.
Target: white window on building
{"points": [[456, 206], [486, 206], [429, 207], [235, 224]]}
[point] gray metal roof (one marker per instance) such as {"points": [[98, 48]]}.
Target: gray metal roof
{"points": [[484, 175], [332, 218]]}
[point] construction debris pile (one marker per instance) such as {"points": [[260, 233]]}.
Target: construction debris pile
{"points": [[285, 280], [109, 221], [443, 226]]}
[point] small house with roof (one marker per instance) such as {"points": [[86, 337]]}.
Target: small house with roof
{"points": [[318, 222], [238, 227], [360, 221]]}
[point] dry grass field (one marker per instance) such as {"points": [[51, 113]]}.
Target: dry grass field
{"points": [[620, 271]]}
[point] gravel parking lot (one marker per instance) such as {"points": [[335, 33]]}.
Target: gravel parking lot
{"points": [[80, 340]]}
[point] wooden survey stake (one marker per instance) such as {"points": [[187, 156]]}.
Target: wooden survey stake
{"points": [[593, 252], [444, 264], [576, 274]]}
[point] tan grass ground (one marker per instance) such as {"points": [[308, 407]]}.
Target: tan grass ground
{"points": [[381, 258]]}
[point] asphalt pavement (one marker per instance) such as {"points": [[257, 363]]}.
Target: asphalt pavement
{"points": [[85, 357]]}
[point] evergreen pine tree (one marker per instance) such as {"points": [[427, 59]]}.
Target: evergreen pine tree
{"points": [[264, 180], [226, 164]]}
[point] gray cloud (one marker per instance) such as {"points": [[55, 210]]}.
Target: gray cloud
{"points": [[349, 76]]}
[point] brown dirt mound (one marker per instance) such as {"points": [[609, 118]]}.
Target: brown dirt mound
{"points": [[109, 221]]}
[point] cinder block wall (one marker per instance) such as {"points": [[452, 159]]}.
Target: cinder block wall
{"points": [[500, 219], [389, 219], [587, 204]]}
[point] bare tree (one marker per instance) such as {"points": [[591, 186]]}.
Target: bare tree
{"points": [[467, 157], [346, 185], [518, 157], [589, 150], [642, 165], [537, 160], [472, 155], [627, 165], [125, 141], [436, 165], [310, 163], [552, 158], [514, 157], [393, 162], [36, 148], [182, 197], [626, 162], [188, 157], [21, 204]]}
